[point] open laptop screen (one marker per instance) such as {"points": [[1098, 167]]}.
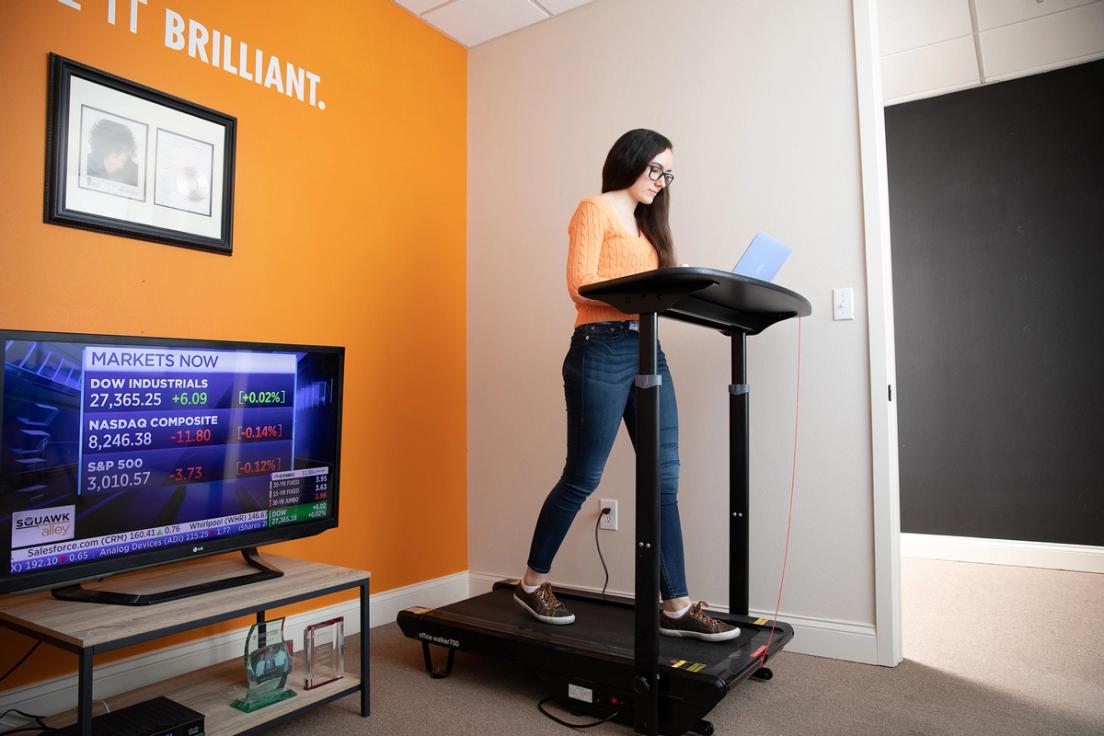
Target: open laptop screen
{"points": [[762, 258]]}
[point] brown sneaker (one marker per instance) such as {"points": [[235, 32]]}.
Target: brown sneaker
{"points": [[543, 605], [697, 624]]}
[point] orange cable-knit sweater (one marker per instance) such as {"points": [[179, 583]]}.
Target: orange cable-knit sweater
{"points": [[600, 249]]}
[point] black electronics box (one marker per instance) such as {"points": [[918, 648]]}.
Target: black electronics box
{"points": [[156, 717]]}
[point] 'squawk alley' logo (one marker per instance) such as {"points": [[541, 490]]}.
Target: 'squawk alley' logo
{"points": [[40, 526]]}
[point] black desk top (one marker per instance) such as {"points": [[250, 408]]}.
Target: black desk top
{"points": [[702, 296]]}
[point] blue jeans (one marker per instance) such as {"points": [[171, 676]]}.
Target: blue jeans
{"points": [[599, 373]]}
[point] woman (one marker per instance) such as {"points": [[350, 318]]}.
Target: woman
{"points": [[620, 232]]}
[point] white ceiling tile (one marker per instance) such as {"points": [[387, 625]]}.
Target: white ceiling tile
{"points": [[996, 13], [560, 6], [471, 22], [930, 70], [417, 7], [909, 24], [1048, 42]]}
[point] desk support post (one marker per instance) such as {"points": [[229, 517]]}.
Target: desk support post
{"points": [[739, 478], [646, 706]]}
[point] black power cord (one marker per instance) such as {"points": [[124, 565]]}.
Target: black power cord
{"points": [[605, 510], [41, 727], [23, 659], [540, 707]]}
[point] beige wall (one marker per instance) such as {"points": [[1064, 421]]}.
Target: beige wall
{"points": [[759, 99]]}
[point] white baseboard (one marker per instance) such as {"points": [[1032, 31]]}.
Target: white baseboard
{"points": [[482, 582], [428, 593], [60, 694], [846, 640], [1080, 558]]}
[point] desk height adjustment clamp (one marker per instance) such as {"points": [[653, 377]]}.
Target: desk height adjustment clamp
{"points": [[648, 380], [739, 389]]}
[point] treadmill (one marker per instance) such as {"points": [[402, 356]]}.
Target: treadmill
{"points": [[612, 662]]}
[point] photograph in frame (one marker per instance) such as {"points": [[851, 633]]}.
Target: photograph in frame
{"points": [[113, 154], [129, 160]]}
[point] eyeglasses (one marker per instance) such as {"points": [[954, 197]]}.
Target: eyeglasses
{"points": [[655, 172]]}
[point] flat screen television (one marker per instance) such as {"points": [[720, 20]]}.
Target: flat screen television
{"points": [[123, 452]]}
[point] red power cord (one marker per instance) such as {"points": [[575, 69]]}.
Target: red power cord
{"points": [[789, 517]]}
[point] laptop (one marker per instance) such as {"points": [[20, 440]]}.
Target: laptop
{"points": [[762, 259]]}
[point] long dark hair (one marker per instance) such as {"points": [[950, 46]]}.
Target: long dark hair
{"points": [[625, 162]]}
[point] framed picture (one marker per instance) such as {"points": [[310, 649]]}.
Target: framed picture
{"points": [[128, 160]]}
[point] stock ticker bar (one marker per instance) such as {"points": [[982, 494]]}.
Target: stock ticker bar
{"points": [[137, 540]]}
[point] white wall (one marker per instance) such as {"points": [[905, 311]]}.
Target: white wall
{"points": [[759, 99]]}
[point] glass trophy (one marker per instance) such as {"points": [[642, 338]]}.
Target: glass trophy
{"points": [[267, 664], [324, 652]]}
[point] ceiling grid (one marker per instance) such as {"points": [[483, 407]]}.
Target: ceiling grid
{"points": [[929, 47]]}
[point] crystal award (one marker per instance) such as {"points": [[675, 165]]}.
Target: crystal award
{"points": [[324, 652], [267, 664]]}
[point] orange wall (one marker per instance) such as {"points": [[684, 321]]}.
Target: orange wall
{"points": [[349, 229]]}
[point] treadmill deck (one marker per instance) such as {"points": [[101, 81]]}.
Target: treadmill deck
{"points": [[605, 630]]}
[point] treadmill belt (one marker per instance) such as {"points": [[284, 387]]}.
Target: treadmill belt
{"points": [[601, 627]]}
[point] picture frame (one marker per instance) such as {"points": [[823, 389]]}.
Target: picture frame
{"points": [[323, 652], [126, 159]]}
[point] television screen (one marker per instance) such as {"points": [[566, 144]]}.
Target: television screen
{"points": [[123, 452]]}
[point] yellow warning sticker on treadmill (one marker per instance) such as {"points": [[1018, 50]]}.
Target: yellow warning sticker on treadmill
{"points": [[696, 667], [678, 663], [760, 621]]}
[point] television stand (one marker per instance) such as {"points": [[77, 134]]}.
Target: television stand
{"points": [[252, 558], [87, 629]]}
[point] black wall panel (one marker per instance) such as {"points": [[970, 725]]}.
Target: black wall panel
{"points": [[997, 218]]}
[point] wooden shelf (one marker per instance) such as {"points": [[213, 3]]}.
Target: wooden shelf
{"points": [[87, 629], [210, 691], [74, 625]]}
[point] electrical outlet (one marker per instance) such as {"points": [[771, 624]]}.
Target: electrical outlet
{"points": [[609, 521]]}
